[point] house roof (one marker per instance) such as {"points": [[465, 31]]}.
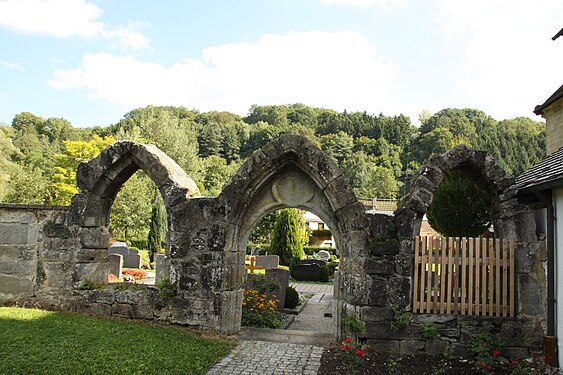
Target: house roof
{"points": [[545, 174], [552, 99]]}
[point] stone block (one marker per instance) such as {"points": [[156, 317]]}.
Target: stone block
{"points": [[376, 314], [436, 346], [129, 296], [378, 293], [356, 243], [400, 292], [404, 260], [122, 310], [14, 234], [96, 272], [383, 331], [388, 247], [18, 268], [228, 305], [411, 346], [98, 309], [92, 256], [55, 251], [57, 276], [353, 217], [379, 266], [16, 286], [381, 225], [94, 238], [531, 295], [56, 230], [106, 296], [386, 346], [407, 223], [10, 253], [341, 192]]}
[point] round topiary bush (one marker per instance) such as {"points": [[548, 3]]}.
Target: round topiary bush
{"points": [[291, 297]]}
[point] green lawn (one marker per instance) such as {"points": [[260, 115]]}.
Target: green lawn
{"points": [[36, 341]]}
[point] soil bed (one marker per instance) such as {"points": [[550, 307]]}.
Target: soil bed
{"points": [[417, 364]]}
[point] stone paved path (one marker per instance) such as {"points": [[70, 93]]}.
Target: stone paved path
{"points": [[260, 357], [265, 352]]}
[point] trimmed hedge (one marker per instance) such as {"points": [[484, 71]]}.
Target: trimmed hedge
{"points": [[291, 297], [309, 250], [139, 243]]}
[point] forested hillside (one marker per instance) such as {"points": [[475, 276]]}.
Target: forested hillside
{"points": [[380, 154]]}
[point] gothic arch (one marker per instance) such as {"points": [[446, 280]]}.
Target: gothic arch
{"points": [[489, 177], [100, 179]]}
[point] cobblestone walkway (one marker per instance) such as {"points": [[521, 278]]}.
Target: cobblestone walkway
{"points": [[260, 357]]}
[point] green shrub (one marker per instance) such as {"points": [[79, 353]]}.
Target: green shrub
{"points": [[429, 330], [323, 276], [91, 285], [291, 297], [332, 265], [401, 321], [354, 324], [166, 289]]}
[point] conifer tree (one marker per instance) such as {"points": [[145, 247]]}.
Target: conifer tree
{"points": [[157, 229], [286, 239], [458, 208]]}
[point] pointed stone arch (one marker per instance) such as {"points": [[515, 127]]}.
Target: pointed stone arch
{"points": [[487, 175], [100, 179], [290, 172]]}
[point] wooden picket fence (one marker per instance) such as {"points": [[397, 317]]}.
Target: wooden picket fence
{"points": [[463, 276]]}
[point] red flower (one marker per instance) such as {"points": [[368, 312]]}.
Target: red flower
{"points": [[360, 352], [487, 367], [348, 340], [496, 353], [481, 364], [345, 347], [514, 362]]}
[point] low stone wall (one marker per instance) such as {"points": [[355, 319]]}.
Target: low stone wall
{"points": [[31, 260]]}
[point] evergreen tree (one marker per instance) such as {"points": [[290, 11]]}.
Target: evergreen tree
{"points": [[157, 228], [458, 208], [286, 239]]}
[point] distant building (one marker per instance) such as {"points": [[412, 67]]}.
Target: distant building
{"points": [[321, 234]]}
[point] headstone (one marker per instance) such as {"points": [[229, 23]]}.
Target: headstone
{"points": [[115, 264], [268, 261], [162, 268], [323, 255], [280, 277], [319, 262], [131, 258], [306, 272]]}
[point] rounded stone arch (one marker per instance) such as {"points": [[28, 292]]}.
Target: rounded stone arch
{"points": [[99, 181], [487, 175]]}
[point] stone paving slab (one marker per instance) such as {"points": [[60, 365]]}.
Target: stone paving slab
{"points": [[260, 357], [313, 288]]}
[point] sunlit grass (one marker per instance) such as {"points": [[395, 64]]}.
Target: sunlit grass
{"points": [[35, 341]]}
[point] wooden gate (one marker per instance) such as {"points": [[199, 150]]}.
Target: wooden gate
{"points": [[465, 276]]}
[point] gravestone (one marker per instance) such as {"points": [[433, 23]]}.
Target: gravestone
{"points": [[131, 258], [115, 264], [306, 272], [268, 261], [281, 277], [323, 255], [162, 268], [319, 262]]}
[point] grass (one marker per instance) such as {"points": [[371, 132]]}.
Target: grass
{"points": [[36, 341]]}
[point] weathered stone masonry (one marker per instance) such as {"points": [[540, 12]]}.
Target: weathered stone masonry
{"points": [[47, 253]]}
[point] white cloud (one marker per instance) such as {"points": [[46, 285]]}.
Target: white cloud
{"points": [[11, 65], [510, 61], [64, 19], [339, 70], [387, 5]]}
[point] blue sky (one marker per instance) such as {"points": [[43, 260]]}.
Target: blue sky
{"points": [[91, 62]]}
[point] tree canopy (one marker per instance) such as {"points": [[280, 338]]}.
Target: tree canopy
{"points": [[379, 154]]}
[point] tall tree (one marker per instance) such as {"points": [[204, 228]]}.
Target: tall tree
{"points": [[286, 239], [157, 229]]}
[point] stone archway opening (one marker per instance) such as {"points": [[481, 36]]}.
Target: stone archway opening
{"points": [[100, 180]]}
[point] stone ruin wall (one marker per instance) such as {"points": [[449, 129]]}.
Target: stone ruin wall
{"points": [[46, 253]]}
